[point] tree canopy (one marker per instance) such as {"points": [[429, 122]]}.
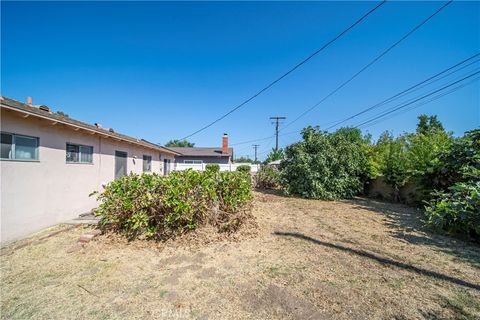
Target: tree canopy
{"points": [[179, 143]]}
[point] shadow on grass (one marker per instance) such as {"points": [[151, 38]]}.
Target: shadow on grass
{"points": [[382, 260], [406, 224]]}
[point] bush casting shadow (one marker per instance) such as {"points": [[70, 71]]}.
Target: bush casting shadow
{"points": [[382, 260], [406, 224]]}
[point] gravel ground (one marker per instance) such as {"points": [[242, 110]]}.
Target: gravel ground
{"points": [[301, 259]]}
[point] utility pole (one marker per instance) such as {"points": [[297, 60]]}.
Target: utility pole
{"points": [[277, 123], [255, 146]]}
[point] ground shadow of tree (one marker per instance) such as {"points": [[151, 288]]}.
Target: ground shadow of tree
{"points": [[382, 260], [406, 224]]}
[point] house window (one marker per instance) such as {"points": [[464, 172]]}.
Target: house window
{"points": [[193, 161], [18, 147], [77, 153], [147, 163]]}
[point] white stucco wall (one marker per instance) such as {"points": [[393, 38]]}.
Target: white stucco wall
{"points": [[35, 195]]}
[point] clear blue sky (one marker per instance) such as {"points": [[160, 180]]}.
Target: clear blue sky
{"points": [[161, 70]]}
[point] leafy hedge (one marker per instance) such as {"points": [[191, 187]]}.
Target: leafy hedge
{"points": [[155, 206], [267, 178], [213, 167], [244, 168], [325, 165], [457, 210], [455, 207]]}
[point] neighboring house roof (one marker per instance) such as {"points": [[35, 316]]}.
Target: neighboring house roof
{"points": [[201, 151], [45, 113]]}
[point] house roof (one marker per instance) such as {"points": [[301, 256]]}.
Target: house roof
{"points": [[45, 113], [201, 151]]}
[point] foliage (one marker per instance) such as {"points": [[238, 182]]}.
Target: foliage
{"points": [[155, 206], [212, 167], [456, 207], [424, 148], [268, 177], [457, 210], [429, 125], [244, 160], [179, 143], [409, 157], [325, 165], [244, 168], [459, 163], [274, 155], [63, 114], [395, 168]]}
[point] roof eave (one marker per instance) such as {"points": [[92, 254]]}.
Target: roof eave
{"points": [[85, 128]]}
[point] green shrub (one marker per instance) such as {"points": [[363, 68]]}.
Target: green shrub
{"points": [[212, 167], [154, 206], [459, 163], [268, 177], [456, 211], [244, 168], [325, 165]]}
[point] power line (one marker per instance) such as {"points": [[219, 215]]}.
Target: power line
{"points": [[369, 64], [298, 65], [430, 80], [416, 100], [421, 104], [411, 89]]}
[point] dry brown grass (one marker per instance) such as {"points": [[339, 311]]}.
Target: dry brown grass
{"points": [[358, 259]]}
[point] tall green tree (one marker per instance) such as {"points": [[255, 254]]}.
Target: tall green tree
{"points": [[424, 147], [179, 143]]}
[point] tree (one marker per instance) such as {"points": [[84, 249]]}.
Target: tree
{"points": [[424, 147], [275, 155], [429, 124], [324, 165], [244, 160], [179, 143], [395, 168], [61, 113]]}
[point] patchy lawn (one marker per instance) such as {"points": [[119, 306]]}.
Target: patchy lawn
{"points": [[307, 260]]}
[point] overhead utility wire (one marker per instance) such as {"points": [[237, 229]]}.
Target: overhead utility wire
{"points": [[416, 100], [430, 80], [369, 64], [413, 100], [288, 72], [410, 89], [421, 104]]}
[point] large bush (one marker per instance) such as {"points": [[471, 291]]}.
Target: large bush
{"points": [[456, 211], [212, 167], [456, 206], [411, 157], [459, 163], [156, 206], [325, 165], [267, 177]]}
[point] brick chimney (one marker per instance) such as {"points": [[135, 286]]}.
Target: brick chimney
{"points": [[29, 101], [225, 143]]}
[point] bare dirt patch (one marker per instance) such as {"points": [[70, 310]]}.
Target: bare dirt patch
{"points": [[304, 259]]}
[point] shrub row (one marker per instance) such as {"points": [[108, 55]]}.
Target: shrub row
{"points": [[154, 206]]}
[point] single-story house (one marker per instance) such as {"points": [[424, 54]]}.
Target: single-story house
{"points": [[204, 155], [50, 163]]}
